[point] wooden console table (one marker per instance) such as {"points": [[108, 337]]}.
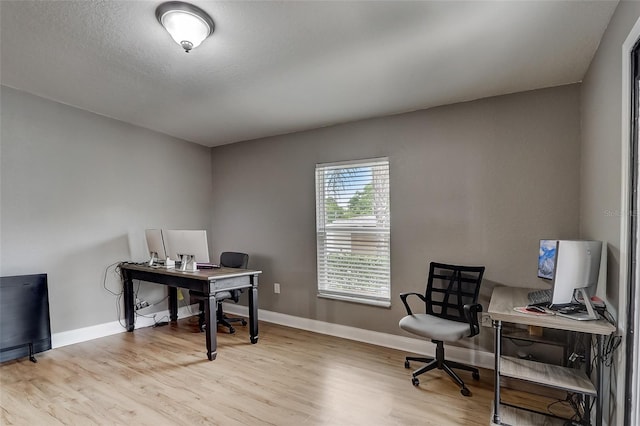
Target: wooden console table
{"points": [[207, 281], [503, 300]]}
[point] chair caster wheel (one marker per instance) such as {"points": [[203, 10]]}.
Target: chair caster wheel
{"points": [[465, 392], [232, 330], [415, 381], [406, 364], [475, 375], [203, 327], [243, 322]]}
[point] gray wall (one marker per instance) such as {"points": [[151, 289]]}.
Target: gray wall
{"points": [[77, 192], [471, 183], [600, 177], [601, 143]]}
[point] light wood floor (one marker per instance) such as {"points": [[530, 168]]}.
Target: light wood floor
{"points": [[161, 376]]}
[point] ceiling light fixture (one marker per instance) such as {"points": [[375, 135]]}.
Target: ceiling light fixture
{"points": [[187, 24]]}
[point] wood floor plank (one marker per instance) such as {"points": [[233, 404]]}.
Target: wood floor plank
{"points": [[158, 376]]}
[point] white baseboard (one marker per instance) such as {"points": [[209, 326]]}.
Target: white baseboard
{"points": [[473, 357], [417, 346], [79, 335]]}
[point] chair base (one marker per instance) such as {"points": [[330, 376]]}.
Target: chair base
{"points": [[221, 319], [226, 322], [441, 364]]}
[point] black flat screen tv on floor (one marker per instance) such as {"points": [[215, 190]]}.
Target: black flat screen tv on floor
{"points": [[25, 328]]}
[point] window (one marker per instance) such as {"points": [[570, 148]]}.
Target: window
{"points": [[353, 231]]}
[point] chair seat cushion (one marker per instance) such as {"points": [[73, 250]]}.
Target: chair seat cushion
{"points": [[434, 328]]}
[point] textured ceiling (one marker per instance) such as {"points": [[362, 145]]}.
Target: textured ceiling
{"points": [[279, 67]]}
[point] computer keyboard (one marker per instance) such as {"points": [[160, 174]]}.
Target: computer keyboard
{"points": [[539, 297], [570, 309], [207, 266]]}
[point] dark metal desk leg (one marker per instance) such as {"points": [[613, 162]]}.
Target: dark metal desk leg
{"points": [[173, 304], [600, 378], [497, 349], [211, 330], [127, 288], [253, 309], [588, 357]]}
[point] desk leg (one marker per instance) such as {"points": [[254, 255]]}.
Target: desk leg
{"points": [[497, 351], [173, 304], [211, 330], [588, 360], [129, 313], [253, 309], [600, 379]]}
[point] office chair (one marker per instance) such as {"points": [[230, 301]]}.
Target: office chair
{"points": [[451, 313], [228, 259]]}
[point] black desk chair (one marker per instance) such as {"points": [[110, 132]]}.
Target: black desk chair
{"points": [[451, 313], [228, 259]]}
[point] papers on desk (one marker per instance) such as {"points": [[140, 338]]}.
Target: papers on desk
{"points": [[536, 310]]}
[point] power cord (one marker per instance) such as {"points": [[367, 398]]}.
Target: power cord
{"points": [[162, 321], [119, 295], [569, 401], [144, 304], [610, 347], [116, 272]]}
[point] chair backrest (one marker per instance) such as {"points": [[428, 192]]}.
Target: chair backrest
{"points": [[450, 287], [231, 259]]}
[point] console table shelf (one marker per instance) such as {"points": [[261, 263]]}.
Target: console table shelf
{"points": [[568, 379], [515, 416], [550, 337]]}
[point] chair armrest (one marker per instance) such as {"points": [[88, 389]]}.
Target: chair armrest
{"points": [[403, 297], [471, 312]]}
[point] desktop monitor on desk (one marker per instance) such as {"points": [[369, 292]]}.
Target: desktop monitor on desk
{"points": [[573, 266], [188, 247], [155, 246]]}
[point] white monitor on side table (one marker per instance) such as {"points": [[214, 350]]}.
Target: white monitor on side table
{"points": [[187, 246], [576, 267]]}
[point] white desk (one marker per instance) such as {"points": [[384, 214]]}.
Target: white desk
{"points": [[503, 300]]}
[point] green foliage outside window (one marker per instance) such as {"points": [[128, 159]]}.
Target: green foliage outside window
{"points": [[360, 204]]}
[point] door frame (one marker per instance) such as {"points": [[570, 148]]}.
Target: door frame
{"points": [[628, 385]]}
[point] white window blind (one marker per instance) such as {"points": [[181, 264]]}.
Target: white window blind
{"points": [[353, 230]]}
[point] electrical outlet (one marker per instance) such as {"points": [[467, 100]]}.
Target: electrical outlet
{"points": [[276, 288], [485, 320]]}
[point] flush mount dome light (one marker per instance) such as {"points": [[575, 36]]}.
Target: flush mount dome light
{"points": [[187, 24]]}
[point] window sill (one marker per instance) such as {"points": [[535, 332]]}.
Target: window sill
{"points": [[353, 299]]}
